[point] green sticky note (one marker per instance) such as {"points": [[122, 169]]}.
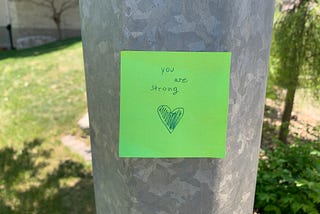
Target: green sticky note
{"points": [[174, 104]]}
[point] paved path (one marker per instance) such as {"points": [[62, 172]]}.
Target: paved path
{"points": [[77, 145]]}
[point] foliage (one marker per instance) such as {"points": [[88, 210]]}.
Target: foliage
{"points": [[289, 179], [296, 53], [296, 46]]}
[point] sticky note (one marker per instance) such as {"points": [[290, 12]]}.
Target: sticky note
{"points": [[173, 104]]}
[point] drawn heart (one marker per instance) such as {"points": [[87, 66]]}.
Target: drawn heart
{"points": [[169, 118]]}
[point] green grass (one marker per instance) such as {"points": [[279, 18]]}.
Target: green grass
{"points": [[42, 97], [43, 92]]}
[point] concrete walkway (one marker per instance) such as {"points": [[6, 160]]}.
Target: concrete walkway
{"points": [[78, 145]]}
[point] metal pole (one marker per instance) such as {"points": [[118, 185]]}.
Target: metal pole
{"points": [[9, 28], [167, 186]]}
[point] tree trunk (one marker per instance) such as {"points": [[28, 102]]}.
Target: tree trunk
{"points": [[57, 20], [286, 117], [59, 30]]}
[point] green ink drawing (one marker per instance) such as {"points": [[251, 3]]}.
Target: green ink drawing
{"points": [[170, 119]]}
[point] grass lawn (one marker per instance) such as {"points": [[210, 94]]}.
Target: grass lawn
{"points": [[42, 97]]}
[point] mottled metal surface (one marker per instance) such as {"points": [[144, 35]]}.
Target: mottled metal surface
{"points": [[174, 186]]}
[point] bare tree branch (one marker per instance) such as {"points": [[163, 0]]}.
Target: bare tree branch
{"points": [[53, 4], [57, 8], [66, 5]]}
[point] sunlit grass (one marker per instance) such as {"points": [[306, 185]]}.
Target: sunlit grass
{"points": [[42, 97], [43, 93]]}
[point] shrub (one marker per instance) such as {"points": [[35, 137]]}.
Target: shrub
{"points": [[289, 179]]}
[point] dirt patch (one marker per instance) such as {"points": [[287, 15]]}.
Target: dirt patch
{"points": [[305, 120]]}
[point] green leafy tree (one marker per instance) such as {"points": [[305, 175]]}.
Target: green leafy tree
{"points": [[296, 48]]}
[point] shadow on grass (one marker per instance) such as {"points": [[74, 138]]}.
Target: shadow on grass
{"points": [[24, 188], [36, 51]]}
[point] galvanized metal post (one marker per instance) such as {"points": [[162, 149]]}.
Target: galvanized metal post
{"points": [[177, 185]]}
